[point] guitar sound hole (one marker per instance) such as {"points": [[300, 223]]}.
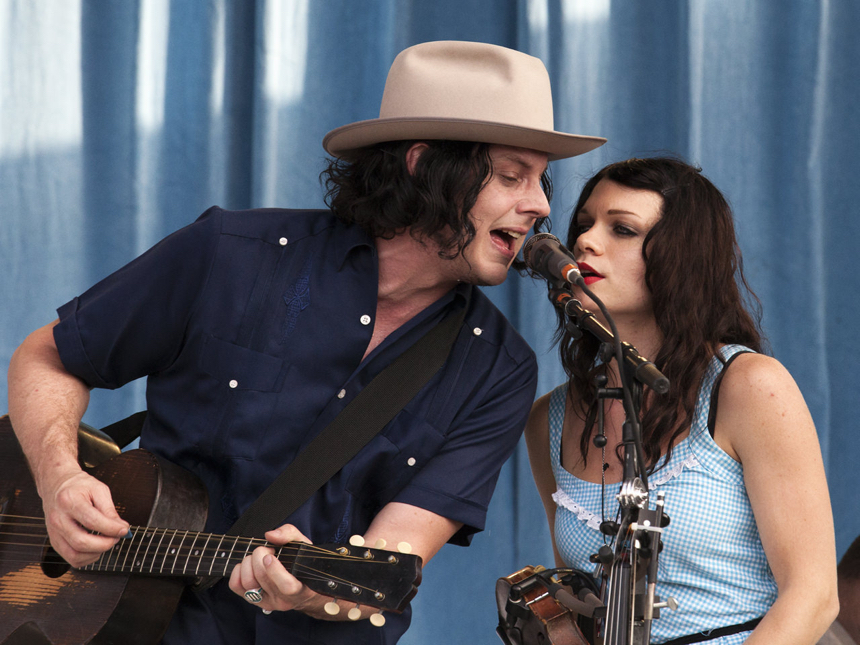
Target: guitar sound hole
{"points": [[53, 564]]}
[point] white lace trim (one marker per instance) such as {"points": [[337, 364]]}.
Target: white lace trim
{"points": [[665, 475], [563, 499]]}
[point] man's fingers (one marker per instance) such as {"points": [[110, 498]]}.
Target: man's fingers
{"points": [[276, 579], [81, 519], [286, 533], [76, 545], [89, 502]]}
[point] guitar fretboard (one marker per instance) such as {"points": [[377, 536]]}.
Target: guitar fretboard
{"points": [[174, 552]]}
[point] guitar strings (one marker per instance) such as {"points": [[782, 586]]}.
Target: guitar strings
{"points": [[145, 536], [237, 540]]}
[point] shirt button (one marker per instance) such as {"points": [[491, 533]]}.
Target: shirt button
{"points": [[477, 331], [341, 394], [411, 461], [365, 319], [234, 383], [283, 241]]}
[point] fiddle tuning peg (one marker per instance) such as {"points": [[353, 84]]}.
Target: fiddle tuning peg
{"points": [[377, 620], [669, 603], [380, 544], [356, 540], [332, 608], [354, 613], [404, 547]]}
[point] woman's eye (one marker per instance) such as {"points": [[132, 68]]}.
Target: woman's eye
{"points": [[623, 230]]}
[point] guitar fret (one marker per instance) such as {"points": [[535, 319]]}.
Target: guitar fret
{"points": [[178, 552], [149, 538], [230, 557], [134, 561], [157, 551], [202, 552], [127, 544], [167, 551], [190, 552], [215, 555], [116, 552]]}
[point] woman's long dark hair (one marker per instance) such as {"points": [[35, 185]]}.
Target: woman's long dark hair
{"points": [[375, 190], [693, 269]]}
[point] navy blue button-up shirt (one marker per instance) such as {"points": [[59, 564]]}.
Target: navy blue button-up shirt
{"points": [[250, 328]]}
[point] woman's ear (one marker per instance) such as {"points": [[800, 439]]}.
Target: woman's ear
{"points": [[413, 154]]}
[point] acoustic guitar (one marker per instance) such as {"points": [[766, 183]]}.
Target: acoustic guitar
{"points": [[129, 594]]}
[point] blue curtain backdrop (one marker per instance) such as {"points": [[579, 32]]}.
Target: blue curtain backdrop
{"points": [[121, 121]]}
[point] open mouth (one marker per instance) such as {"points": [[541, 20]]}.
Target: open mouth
{"points": [[589, 275], [505, 239]]}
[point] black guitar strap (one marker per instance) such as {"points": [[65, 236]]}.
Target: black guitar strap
{"points": [[360, 421], [363, 418]]}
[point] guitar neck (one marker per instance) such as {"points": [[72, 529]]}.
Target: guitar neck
{"points": [[176, 552], [374, 577]]}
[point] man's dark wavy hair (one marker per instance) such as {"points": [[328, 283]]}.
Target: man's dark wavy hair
{"points": [[694, 271], [375, 190]]}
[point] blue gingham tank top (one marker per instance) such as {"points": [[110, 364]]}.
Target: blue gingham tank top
{"points": [[712, 562]]}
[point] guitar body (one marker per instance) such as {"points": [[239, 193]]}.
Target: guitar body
{"points": [[43, 604]]}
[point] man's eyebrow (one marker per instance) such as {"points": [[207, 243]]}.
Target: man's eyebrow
{"points": [[519, 159]]}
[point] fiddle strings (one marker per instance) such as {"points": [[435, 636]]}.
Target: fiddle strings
{"points": [[618, 602]]}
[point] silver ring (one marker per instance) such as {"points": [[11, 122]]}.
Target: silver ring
{"points": [[267, 611], [254, 595]]}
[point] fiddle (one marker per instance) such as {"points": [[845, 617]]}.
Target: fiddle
{"points": [[631, 575], [535, 607]]}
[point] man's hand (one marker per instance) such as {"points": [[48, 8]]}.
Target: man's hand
{"points": [[281, 590], [80, 517]]}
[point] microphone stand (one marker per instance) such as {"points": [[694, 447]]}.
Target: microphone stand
{"points": [[637, 538]]}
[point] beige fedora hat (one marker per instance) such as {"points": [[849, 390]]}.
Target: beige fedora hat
{"points": [[464, 91]]}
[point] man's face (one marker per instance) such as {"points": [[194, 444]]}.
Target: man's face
{"points": [[505, 211]]}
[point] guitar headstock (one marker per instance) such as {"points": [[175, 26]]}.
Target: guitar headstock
{"points": [[366, 576]]}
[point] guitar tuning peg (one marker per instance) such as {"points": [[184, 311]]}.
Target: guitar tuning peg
{"points": [[332, 608], [404, 547], [377, 620], [356, 540], [354, 613], [380, 544]]}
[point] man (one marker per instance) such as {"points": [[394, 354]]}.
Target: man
{"points": [[255, 329]]}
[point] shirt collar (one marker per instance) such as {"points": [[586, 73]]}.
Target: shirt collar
{"points": [[349, 237]]}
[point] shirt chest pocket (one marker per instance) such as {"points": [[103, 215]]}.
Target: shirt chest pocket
{"points": [[392, 458], [242, 388]]}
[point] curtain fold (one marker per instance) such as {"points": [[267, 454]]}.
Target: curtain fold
{"points": [[122, 121]]}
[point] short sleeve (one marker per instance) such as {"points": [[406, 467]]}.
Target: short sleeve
{"points": [[132, 323], [459, 480]]}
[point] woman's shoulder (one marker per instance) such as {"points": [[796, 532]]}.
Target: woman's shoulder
{"points": [[550, 404], [753, 376], [758, 396], [539, 417]]}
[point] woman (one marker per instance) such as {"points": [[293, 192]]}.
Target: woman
{"points": [[751, 532]]}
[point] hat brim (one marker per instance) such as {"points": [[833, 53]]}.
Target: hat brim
{"points": [[342, 142]]}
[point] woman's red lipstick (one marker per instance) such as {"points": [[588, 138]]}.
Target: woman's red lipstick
{"points": [[589, 275]]}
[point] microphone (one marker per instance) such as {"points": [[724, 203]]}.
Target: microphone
{"points": [[545, 254]]}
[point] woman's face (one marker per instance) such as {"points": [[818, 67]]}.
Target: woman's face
{"points": [[612, 226]]}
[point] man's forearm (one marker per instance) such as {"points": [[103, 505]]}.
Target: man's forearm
{"points": [[46, 404]]}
